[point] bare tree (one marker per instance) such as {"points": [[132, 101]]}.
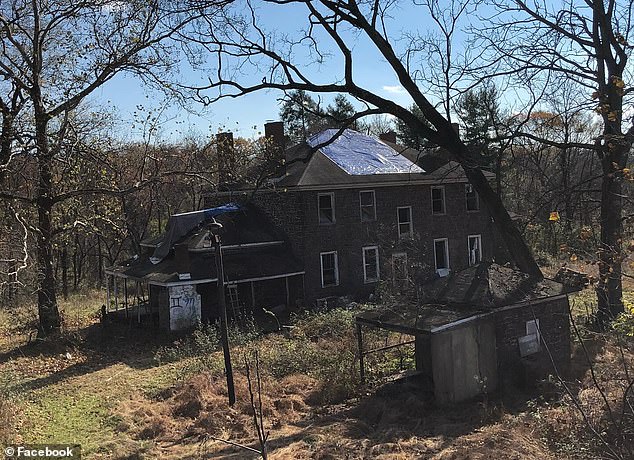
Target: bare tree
{"points": [[54, 54], [586, 45]]}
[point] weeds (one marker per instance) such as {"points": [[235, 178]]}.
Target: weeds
{"points": [[8, 410]]}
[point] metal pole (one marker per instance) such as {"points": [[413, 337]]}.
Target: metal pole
{"points": [[360, 343], [224, 332]]}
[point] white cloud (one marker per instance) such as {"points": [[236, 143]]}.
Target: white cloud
{"points": [[397, 89]]}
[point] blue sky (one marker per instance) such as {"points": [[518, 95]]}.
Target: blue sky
{"points": [[246, 115]]}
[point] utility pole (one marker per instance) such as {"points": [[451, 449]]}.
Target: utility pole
{"points": [[222, 306]]}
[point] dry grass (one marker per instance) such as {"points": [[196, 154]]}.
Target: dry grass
{"points": [[111, 395]]}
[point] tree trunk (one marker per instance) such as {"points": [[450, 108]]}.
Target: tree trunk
{"points": [[48, 311], [65, 273], [609, 289], [517, 247]]}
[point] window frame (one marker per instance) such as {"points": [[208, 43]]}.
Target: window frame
{"points": [[477, 198], [410, 233], [377, 274], [321, 262], [332, 207], [361, 205], [447, 259], [479, 239], [444, 200]]}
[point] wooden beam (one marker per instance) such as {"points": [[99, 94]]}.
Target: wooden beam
{"points": [[107, 293]]}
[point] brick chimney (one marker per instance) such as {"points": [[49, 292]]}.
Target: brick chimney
{"points": [[390, 136], [225, 157]]}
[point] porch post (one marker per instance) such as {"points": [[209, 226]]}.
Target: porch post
{"points": [[107, 293], [137, 288], [125, 296], [116, 293]]}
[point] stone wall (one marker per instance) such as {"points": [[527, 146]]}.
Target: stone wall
{"points": [[554, 328]]}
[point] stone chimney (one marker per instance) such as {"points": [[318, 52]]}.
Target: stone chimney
{"points": [[225, 157], [390, 136], [456, 128], [275, 138]]}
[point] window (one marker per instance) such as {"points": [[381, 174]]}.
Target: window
{"points": [[326, 208], [471, 198], [329, 269], [399, 266], [475, 249], [404, 216], [368, 206], [438, 200], [441, 256], [370, 264]]}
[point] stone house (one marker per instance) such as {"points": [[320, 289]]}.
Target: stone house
{"points": [[357, 210]]}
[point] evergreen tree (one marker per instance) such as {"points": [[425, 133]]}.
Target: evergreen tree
{"points": [[408, 136]]}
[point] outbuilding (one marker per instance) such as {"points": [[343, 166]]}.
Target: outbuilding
{"points": [[481, 328]]}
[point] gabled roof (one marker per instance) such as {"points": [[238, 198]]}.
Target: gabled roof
{"points": [[489, 285]]}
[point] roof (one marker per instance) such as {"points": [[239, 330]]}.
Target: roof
{"points": [[353, 158], [361, 155], [179, 225], [239, 265], [413, 319], [489, 285], [253, 248], [474, 292]]}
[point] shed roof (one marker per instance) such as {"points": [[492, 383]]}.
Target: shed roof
{"points": [[489, 285], [477, 290]]}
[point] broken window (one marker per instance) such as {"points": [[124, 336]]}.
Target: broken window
{"points": [[368, 206], [438, 200], [404, 215], [329, 269], [441, 256], [370, 264], [475, 249], [326, 208], [471, 198]]}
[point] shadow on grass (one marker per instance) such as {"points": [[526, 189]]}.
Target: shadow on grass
{"points": [[100, 345]]}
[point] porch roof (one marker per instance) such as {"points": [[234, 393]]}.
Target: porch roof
{"points": [[239, 265]]}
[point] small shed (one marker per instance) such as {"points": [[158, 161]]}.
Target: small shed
{"points": [[481, 328]]}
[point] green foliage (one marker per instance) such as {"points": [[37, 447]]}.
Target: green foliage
{"points": [[624, 323], [303, 116], [408, 136]]}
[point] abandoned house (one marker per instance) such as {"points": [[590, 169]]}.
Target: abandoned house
{"points": [[480, 328], [346, 212], [357, 210]]}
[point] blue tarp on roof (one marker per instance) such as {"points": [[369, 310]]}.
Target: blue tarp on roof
{"points": [[359, 155], [180, 225]]}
